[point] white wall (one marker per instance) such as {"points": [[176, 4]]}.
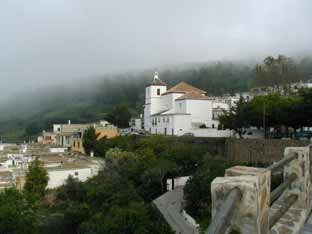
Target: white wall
{"points": [[165, 122], [209, 132], [178, 124], [58, 150], [56, 127], [181, 124], [200, 110], [180, 106], [152, 103], [220, 104], [180, 181], [58, 177]]}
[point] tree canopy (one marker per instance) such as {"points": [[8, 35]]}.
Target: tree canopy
{"points": [[17, 215], [271, 111], [36, 180], [278, 71], [120, 116], [89, 140]]}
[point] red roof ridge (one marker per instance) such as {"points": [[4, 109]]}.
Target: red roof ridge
{"points": [[184, 87]]}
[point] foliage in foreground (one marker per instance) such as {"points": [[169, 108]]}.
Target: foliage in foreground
{"points": [[107, 203], [118, 200], [197, 190], [17, 215]]}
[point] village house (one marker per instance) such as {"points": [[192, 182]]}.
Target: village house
{"points": [[70, 135], [136, 124], [102, 129], [15, 160], [47, 138], [182, 109]]}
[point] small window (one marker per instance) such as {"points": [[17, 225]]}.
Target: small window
{"points": [[76, 173], [158, 92], [213, 126]]}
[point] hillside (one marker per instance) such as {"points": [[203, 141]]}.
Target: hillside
{"points": [[28, 113]]}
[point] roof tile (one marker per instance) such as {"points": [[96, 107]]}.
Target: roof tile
{"points": [[183, 87], [193, 95]]}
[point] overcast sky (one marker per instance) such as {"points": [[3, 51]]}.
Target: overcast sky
{"points": [[48, 41]]}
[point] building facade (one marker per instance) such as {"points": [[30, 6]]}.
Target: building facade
{"points": [[101, 131], [180, 110]]}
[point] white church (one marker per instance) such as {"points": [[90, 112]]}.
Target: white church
{"points": [[182, 109]]}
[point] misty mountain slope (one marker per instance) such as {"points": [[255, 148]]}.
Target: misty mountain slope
{"points": [[27, 114]]}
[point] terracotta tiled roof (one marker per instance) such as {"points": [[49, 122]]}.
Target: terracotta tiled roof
{"points": [[183, 87], [193, 95]]}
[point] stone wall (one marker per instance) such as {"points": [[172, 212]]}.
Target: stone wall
{"points": [[265, 151], [215, 146]]}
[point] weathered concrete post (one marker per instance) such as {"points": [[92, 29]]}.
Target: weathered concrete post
{"points": [[252, 212], [301, 167], [293, 220]]}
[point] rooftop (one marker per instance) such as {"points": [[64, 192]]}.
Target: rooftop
{"points": [[194, 95], [183, 87]]}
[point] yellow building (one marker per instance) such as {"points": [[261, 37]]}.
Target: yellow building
{"points": [[108, 131]]}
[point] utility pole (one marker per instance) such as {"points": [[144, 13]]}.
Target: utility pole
{"points": [[263, 118]]}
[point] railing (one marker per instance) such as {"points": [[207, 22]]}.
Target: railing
{"points": [[222, 220], [241, 200]]}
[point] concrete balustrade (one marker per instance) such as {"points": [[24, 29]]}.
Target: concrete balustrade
{"points": [[252, 212], [293, 220], [301, 167]]}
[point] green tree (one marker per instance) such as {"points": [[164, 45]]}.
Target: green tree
{"points": [[197, 193], [120, 116], [280, 71], [237, 118], [72, 190], [89, 140], [36, 180], [133, 219], [17, 216], [160, 170]]}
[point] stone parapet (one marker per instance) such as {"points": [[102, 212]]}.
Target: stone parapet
{"points": [[251, 214]]}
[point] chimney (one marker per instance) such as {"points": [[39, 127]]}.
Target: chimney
{"points": [[69, 122]]}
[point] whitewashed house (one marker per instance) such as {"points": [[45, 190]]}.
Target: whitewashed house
{"points": [[179, 110]]}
